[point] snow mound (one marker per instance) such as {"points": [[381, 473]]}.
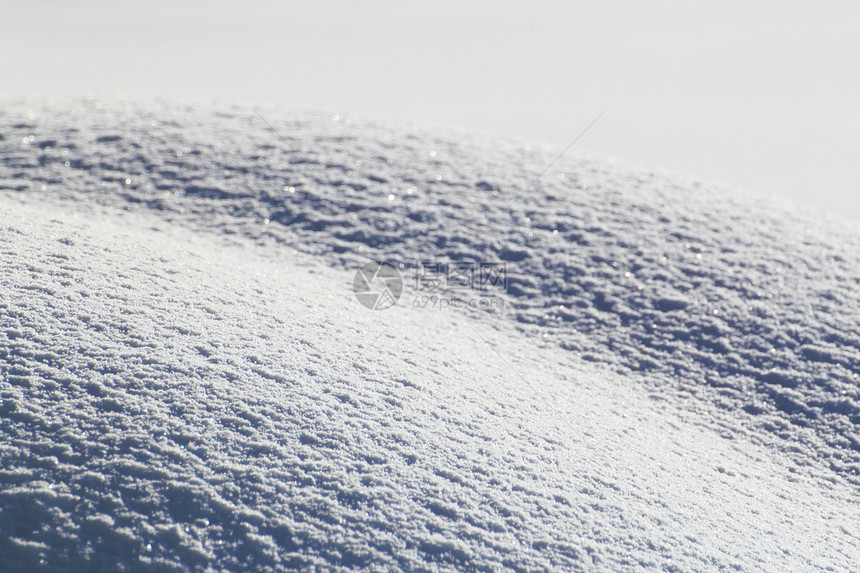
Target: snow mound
{"points": [[737, 301], [191, 384]]}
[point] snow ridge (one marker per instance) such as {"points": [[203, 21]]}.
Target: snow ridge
{"points": [[174, 402], [738, 301]]}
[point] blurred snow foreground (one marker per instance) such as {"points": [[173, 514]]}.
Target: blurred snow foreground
{"points": [[189, 383]]}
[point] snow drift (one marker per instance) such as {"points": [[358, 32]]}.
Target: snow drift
{"points": [[189, 383]]}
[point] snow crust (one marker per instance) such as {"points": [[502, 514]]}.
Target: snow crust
{"points": [[188, 382]]}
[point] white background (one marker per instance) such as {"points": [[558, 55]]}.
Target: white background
{"points": [[763, 95]]}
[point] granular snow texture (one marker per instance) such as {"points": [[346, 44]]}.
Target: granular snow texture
{"points": [[672, 383]]}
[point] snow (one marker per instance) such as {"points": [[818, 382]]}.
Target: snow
{"points": [[189, 383]]}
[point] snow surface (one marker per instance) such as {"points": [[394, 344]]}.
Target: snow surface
{"points": [[189, 383]]}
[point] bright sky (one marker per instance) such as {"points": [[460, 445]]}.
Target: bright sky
{"points": [[762, 95]]}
